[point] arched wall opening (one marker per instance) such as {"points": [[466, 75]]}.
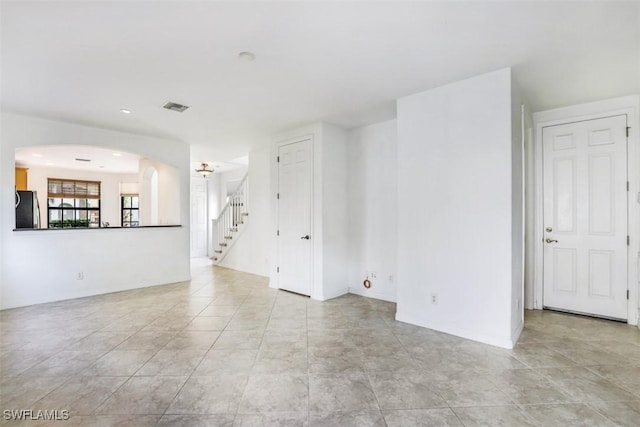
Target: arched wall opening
{"points": [[131, 190], [40, 266]]}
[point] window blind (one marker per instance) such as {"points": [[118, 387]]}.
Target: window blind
{"points": [[73, 189]]}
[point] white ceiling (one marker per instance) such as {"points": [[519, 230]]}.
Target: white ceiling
{"points": [[343, 62], [64, 157], [101, 160]]}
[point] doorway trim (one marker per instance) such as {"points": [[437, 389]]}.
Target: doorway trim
{"points": [[274, 281], [629, 105]]}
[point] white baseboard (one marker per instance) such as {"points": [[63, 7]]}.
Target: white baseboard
{"points": [[372, 294], [62, 295], [507, 343], [515, 334], [327, 296]]}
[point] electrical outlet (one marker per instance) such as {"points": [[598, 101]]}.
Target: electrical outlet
{"points": [[80, 275], [434, 299]]}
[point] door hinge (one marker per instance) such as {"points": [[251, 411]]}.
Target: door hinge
{"points": [[628, 128], [628, 240], [277, 232], [277, 269], [627, 185], [278, 158], [627, 293], [278, 196]]}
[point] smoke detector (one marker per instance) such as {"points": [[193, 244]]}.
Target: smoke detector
{"points": [[247, 56], [174, 106]]}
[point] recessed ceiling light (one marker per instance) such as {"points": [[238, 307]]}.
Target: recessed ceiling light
{"points": [[125, 111], [117, 154], [37, 155], [247, 56], [49, 164]]}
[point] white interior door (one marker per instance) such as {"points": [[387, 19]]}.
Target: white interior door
{"points": [[585, 217], [198, 224], [294, 217]]}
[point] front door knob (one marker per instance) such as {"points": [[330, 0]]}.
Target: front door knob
{"points": [[551, 241]]}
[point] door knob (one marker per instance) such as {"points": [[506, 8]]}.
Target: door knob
{"points": [[551, 241], [305, 237]]}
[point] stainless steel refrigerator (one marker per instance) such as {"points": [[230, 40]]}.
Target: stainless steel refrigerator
{"points": [[27, 209]]}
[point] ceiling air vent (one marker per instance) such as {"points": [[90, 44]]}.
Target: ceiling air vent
{"points": [[174, 106], [78, 159]]}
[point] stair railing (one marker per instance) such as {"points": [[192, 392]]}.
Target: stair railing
{"points": [[231, 217]]}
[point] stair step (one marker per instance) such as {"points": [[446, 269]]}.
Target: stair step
{"points": [[230, 221]]}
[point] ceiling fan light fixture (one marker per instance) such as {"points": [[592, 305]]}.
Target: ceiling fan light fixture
{"points": [[204, 170]]}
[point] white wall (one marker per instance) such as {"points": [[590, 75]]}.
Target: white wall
{"points": [[213, 207], [167, 197], [217, 189], [455, 209], [169, 186], [519, 120], [329, 228], [529, 266], [335, 218], [372, 188], [109, 188], [3, 194], [231, 179], [251, 251], [41, 266]]}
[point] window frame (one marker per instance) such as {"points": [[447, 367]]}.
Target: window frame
{"points": [[77, 191], [130, 209]]}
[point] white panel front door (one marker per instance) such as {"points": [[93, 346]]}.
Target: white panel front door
{"points": [[585, 217], [198, 224], [294, 217]]}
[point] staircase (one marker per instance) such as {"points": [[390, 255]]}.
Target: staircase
{"points": [[231, 221]]}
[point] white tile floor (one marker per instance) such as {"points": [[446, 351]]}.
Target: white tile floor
{"points": [[225, 350]]}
